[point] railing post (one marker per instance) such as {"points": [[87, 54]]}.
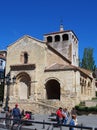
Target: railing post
{"points": [[48, 127], [43, 124], [52, 127], [94, 128], [60, 127], [81, 126]]}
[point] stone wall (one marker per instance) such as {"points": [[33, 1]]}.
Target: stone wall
{"points": [[91, 103]]}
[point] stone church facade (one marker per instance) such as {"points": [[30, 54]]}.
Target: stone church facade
{"points": [[47, 73]]}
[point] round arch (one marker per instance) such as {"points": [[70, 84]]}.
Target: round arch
{"points": [[52, 89], [24, 85]]}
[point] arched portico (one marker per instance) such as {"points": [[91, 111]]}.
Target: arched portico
{"points": [[23, 87], [52, 89]]}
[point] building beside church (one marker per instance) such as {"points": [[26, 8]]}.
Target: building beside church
{"points": [[47, 73], [2, 73], [95, 76], [2, 63]]}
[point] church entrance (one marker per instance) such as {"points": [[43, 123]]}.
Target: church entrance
{"points": [[53, 89], [24, 85]]}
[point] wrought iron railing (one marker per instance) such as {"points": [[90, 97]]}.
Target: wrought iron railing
{"points": [[6, 123]]}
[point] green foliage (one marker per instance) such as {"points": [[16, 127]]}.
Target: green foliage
{"points": [[94, 98], [88, 60], [86, 109], [92, 108], [77, 107], [82, 103], [81, 108]]}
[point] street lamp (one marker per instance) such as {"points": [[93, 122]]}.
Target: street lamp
{"points": [[1, 89], [8, 83]]}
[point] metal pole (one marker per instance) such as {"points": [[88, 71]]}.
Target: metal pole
{"points": [[43, 124], [60, 127], [8, 82], [7, 97], [81, 126], [52, 127]]}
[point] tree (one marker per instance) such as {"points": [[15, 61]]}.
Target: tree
{"points": [[88, 60]]}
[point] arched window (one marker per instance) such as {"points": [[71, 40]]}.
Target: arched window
{"points": [[65, 37], [89, 84], [49, 39], [57, 38]]}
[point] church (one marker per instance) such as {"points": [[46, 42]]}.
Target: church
{"points": [[47, 73]]}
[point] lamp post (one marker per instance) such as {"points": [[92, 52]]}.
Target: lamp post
{"points": [[1, 89], [8, 83]]}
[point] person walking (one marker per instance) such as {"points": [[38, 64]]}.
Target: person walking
{"points": [[16, 114], [65, 116], [73, 111], [59, 116], [8, 117]]}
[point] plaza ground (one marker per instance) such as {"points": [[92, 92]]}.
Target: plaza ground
{"points": [[89, 121]]}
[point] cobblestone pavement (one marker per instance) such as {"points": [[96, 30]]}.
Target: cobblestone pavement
{"points": [[89, 121]]}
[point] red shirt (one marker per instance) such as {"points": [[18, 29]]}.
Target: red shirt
{"points": [[59, 113], [27, 116]]}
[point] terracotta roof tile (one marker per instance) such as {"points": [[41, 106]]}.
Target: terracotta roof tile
{"points": [[58, 67], [62, 67]]}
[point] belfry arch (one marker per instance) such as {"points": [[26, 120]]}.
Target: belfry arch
{"points": [[23, 85], [52, 89]]}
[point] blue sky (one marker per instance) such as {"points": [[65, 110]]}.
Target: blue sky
{"points": [[37, 17]]}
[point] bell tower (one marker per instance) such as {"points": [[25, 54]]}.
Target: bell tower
{"points": [[65, 42]]}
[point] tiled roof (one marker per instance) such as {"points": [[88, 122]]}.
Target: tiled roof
{"points": [[88, 72], [95, 74], [62, 67], [58, 67], [27, 37], [64, 31]]}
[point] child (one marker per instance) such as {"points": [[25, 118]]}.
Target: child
{"points": [[27, 115], [73, 122]]}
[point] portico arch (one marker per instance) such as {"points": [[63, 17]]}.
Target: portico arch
{"points": [[52, 89], [23, 89]]}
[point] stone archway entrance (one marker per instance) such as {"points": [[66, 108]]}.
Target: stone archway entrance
{"points": [[23, 85], [53, 89], [22, 88]]}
